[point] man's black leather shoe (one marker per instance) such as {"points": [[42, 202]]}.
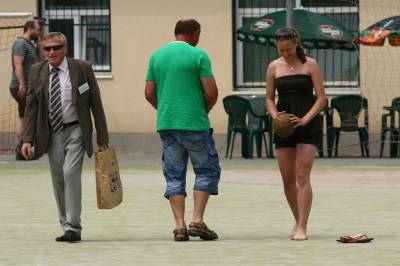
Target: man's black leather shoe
{"points": [[69, 236]]}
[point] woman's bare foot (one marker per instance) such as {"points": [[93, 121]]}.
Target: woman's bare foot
{"points": [[294, 230], [300, 234]]}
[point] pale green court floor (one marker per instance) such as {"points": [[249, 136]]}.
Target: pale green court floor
{"points": [[250, 215]]}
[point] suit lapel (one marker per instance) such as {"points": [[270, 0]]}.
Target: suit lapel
{"points": [[74, 76]]}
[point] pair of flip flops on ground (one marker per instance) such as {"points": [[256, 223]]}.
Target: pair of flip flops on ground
{"points": [[355, 239]]}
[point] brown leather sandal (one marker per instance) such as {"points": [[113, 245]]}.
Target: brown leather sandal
{"points": [[201, 230], [181, 234]]}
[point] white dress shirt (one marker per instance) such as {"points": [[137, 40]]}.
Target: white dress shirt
{"points": [[69, 111]]}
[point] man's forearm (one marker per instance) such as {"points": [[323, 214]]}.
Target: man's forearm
{"points": [[210, 102], [19, 73], [210, 91], [153, 101], [150, 93]]}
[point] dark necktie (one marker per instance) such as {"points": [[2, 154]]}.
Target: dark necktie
{"points": [[56, 120]]}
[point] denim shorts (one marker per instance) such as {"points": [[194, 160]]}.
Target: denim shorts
{"points": [[178, 146]]}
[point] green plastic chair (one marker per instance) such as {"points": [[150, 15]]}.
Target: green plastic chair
{"points": [[324, 113], [349, 108], [259, 123], [237, 108], [391, 128]]}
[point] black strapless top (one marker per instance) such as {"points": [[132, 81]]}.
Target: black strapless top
{"points": [[296, 97], [295, 94]]}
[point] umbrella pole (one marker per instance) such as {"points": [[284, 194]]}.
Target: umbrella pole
{"points": [[289, 13]]}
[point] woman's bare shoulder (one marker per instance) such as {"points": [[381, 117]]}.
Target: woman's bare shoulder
{"points": [[311, 64], [311, 61], [273, 64]]}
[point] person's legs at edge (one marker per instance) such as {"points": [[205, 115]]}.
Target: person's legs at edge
{"points": [[287, 166], [304, 161], [19, 129]]}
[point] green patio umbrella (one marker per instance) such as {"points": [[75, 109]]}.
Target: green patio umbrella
{"points": [[316, 31]]}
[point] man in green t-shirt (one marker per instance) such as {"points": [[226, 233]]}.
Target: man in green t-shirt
{"points": [[181, 86]]}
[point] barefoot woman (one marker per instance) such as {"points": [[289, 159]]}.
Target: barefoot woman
{"points": [[294, 76]]}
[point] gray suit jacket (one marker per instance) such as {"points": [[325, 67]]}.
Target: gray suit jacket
{"points": [[37, 130]]}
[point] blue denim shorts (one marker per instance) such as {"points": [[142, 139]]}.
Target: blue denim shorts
{"points": [[178, 146]]}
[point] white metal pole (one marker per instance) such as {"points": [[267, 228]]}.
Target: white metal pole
{"points": [[289, 13]]}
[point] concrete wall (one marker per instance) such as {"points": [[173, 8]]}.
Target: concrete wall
{"points": [[18, 6], [141, 27]]}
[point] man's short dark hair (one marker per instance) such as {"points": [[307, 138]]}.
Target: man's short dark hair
{"points": [[30, 24], [41, 21], [186, 27]]}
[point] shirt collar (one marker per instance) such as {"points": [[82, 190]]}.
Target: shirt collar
{"points": [[63, 66], [180, 42]]}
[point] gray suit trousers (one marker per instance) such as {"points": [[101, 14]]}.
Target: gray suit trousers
{"points": [[66, 151]]}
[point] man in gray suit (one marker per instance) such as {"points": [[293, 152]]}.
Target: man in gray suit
{"points": [[62, 94]]}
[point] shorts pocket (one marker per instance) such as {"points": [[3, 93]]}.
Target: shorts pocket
{"points": [[194, 142]]}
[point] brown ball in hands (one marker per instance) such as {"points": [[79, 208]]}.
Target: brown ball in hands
{"points": [[282, 125]]}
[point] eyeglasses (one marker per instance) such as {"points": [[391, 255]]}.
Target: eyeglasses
{"points": [[285, 36], [54, 47]]}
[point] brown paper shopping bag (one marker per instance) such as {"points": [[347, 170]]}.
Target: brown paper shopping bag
{"points": [[108, 180]]}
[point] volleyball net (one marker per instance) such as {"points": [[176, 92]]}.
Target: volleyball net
{"points": [[11, 26]]}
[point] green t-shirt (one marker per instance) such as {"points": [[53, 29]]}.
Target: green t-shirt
{"points": [[176, 69]]}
